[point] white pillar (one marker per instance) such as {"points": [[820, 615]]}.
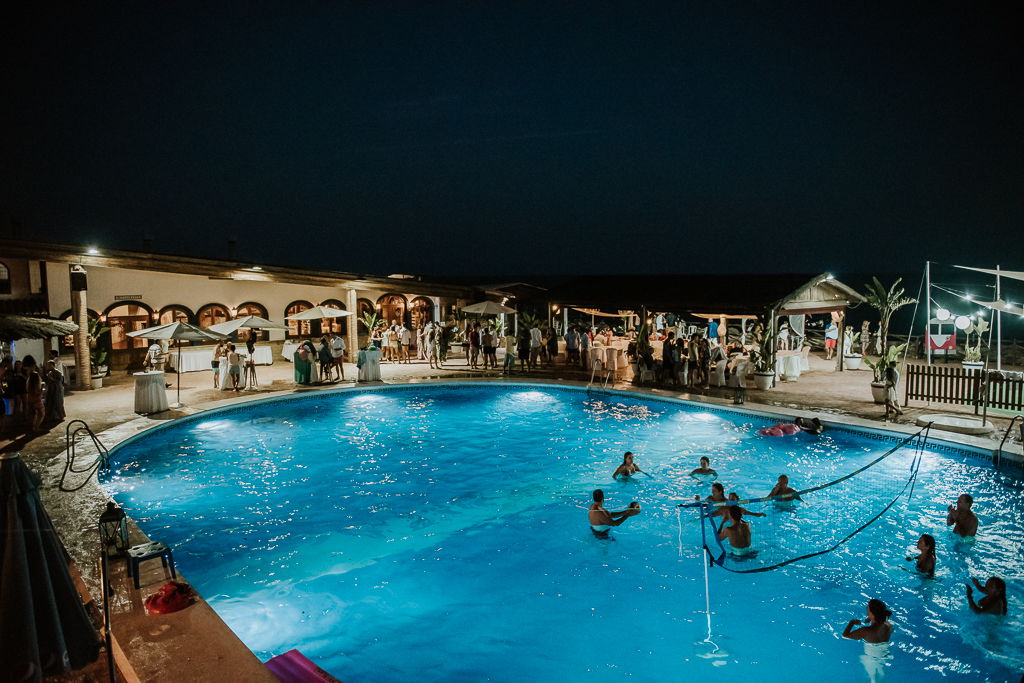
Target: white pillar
{"points": [[927, 311], [999, 326]]}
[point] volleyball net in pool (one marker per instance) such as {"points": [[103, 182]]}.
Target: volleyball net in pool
{"points": [[814, 521]]}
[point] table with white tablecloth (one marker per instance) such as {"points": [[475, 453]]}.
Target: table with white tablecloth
{"points": [[288, 350], [370, 370], [225, 379], [787, 365], [150, 392], [199, 358]]}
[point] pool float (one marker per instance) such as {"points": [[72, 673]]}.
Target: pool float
{"points": [[294, 667], [779, 429], [173, 596]]}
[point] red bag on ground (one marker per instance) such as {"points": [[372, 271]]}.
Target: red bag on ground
{"points": [[171, 597]]}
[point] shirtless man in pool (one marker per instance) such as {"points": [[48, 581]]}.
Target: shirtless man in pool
{"points": [[602, 520], [738, 533], [783, 489], [963, 521]]}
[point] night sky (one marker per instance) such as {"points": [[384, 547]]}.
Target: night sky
{"points": [[520, 137]]}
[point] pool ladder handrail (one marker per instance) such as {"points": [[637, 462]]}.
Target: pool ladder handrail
{"points": [[102, 461], [593, 371], [997, 455]]}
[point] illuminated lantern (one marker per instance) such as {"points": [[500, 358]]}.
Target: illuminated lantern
{"points": [[114, 531], [942, 314], [962, 322]]}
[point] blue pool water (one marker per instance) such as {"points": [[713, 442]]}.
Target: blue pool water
{"points": [[438, 533]]}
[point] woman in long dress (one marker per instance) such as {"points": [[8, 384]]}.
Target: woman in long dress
{"points": [[54, 394], [892, 383]]}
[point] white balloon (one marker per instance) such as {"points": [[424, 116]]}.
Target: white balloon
{"points": [[942, 314], [962, 322]]}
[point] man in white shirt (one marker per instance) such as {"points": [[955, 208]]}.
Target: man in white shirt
{"points": [[405, 337], [338, 348], [535, 343]]}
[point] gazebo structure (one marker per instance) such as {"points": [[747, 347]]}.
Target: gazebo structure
{"points": [[712, 297]]}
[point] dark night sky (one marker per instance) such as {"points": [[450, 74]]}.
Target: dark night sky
{"points": [[521, 137]]}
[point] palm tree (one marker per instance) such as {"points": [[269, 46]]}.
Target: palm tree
{"points": [[887, 301]]}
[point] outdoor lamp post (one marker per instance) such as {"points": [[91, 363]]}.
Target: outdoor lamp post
{"points": [[114, 531]]}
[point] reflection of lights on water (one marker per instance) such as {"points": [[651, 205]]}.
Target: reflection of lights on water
{"points": [[707, 417], [214, 424]]}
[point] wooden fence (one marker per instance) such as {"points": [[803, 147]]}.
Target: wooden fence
{"points": [[942, 384], [955, 385]]}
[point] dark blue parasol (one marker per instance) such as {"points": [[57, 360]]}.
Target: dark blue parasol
{"points": [[43, 624]]}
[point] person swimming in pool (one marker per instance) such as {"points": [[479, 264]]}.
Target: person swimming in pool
{"points": [[875, 634], [994, 601], [717, 496], [783, 489], [704, 470], [812, 426], [627, 467], [926, 560], [963, 521], [601, 520], [734, 497], [738, 532]]}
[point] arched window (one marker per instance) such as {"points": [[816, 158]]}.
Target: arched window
{"points": [[5, 279], [252, 308], [67, 344], [392, 309], [125, 318], [422, 310], [213, 314], [175, 314], [335, 325], [364, 306], [297, 328]]}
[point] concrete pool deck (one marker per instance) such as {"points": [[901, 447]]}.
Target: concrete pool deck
{"points": [[195, 644]]}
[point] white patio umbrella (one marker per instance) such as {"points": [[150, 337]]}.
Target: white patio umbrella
{"points": [[488, 308], [181, 332], [248, 322], [319, 313]]}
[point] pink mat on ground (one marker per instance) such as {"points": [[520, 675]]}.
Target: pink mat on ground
{"points": [[293, 667]]}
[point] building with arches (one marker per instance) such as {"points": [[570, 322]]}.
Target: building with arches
{"points": [[133, 290]]}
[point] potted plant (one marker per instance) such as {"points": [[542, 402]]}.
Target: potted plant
{"points": [[97, 355], [764, 357], [887, 302], [878, 370], [972, 354], [850, 357]]}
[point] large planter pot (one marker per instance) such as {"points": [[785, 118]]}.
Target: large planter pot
{"points": [[97, 382], [852, 362], [763, 380], [972, 365], [878, 392]]}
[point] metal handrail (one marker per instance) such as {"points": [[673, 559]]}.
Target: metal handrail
{"points": [[997, 455], [102, 461]]}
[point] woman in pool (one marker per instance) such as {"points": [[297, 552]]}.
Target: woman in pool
{"points": [[627, 467], [875, 634], [704, 472], [926, 560], [994, 601]]}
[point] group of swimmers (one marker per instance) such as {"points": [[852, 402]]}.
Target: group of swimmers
{"points": [[876, 630]]}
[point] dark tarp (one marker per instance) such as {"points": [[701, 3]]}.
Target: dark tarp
{"points": [[42, 620], [747, 295], [15, 327]]}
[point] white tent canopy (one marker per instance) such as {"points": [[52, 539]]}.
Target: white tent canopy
{"points": [[249, 322], [319, 313], [1012, 274]]}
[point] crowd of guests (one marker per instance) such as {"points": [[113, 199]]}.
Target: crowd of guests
{"points": [[23, 383]]}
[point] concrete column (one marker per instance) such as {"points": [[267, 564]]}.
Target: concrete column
{"points": [[352, 304], [80, 315]]}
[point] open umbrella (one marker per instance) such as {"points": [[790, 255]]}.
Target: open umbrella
{"points": [[181, 332], [488, 308], [15, 327], [44, 623], [248, 322], [319, 313]]}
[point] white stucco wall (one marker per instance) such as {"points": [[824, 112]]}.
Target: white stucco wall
{"points": [[192, 291]]}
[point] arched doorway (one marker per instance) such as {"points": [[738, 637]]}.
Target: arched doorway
{"points": [[422, 312], [175, 314], [392, 309], [125, 318], [335, 325], [67, 344], [213, 314], [298, 328], [364, 307], [252, 308]]}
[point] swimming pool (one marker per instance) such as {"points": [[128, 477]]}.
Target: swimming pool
{"points": [[439, 532]]}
